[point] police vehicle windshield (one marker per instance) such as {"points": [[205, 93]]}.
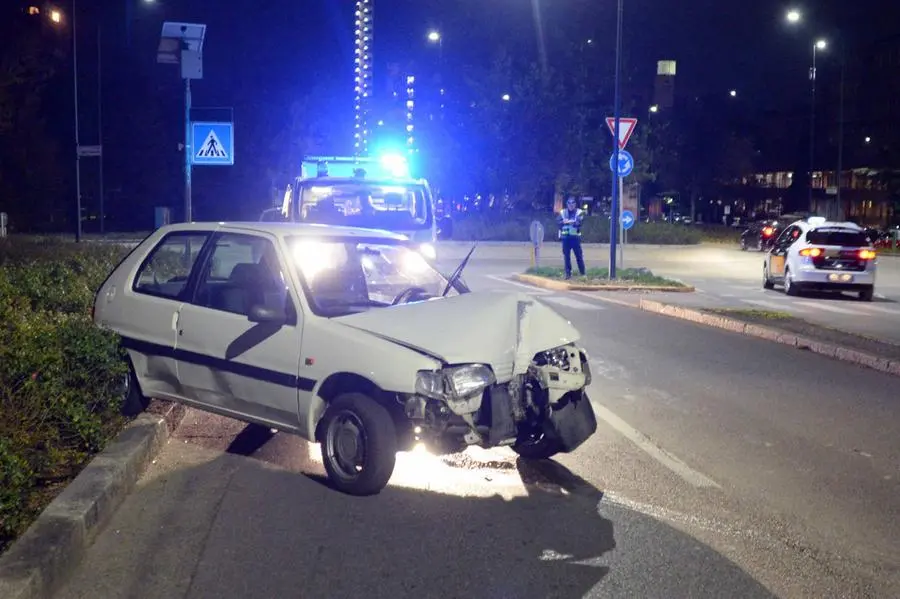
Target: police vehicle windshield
{"points": [[390, 206]]}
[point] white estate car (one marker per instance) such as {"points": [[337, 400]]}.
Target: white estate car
{"points": [[818, 254], [347, 337]]}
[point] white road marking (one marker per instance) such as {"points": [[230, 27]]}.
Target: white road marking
{"points": [[829, 308], [774, 305], [571, 303], [657, 453], [530, 288], [881, 309]]}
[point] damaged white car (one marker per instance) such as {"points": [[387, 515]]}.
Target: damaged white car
{"points": [[346, 337]]}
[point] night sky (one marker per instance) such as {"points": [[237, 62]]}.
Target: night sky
{"points": [[259, 57]]}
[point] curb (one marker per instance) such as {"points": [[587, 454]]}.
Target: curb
{"points": [[845, 354], [556, 285], [52, 547]]}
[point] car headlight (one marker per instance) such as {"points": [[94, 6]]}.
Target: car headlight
{"points": [[558, 357], [428, 250], [456, 382]]}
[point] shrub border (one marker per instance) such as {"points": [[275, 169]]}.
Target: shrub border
{"points": [[548, 283], [42, 559]]}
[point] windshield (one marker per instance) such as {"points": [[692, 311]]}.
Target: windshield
{"points": [[839, 237], [342, 277], [366, 204]]}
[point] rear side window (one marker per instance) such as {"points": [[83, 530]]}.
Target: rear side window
{"points": [[839, 237], [166, 270]]}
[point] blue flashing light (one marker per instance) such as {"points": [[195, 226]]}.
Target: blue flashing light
{"points": [[395, 164]]}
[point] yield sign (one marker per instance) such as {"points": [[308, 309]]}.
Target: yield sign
{"points": [[626, 128]]}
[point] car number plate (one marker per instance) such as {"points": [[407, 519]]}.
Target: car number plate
{"points": [[840, 278]]}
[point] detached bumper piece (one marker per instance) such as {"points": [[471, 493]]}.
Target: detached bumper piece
{"points": [[572, 421]]}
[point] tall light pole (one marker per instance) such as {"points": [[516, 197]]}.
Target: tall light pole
{"points": [[818, 45], [614, 208]]}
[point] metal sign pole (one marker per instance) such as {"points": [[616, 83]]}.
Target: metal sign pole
{"points": [[188, 150], [621, 224]]}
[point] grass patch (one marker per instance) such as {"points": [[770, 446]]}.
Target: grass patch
{"points": [[60, 376], [600, 276], [751, 314]]}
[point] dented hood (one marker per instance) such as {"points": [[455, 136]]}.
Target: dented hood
{"points": [[504, 330]]}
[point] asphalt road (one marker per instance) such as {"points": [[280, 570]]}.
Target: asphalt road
{"points": [[725, 277], [724, 466]]}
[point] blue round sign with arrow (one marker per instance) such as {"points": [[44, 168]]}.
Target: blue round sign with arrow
{"points": [[627, 219], [626, 163]]}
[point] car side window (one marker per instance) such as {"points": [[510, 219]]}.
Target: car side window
{"points": [[243, 271], [787, 237], [165, 272]]}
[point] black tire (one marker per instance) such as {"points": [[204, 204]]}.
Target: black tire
{"points": [[767, 282], [541, 449], [790, 288], [867, 294], [133, 399], [377, 436]]}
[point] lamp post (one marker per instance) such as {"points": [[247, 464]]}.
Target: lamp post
{"points": [[818, 45], [614, 207]]}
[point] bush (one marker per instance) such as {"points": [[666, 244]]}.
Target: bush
{"points": [[515, 227], [60, 376]]}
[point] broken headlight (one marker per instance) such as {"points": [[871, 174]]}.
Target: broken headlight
{"points": [[455, 382], [557, 357]]}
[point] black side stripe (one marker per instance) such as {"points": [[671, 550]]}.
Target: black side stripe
{"points": [[253, 372]]}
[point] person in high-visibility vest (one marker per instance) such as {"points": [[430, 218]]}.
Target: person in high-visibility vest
{"points": [[570, 219]]}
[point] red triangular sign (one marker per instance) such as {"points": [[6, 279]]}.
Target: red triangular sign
{"points": [[626, 128]]}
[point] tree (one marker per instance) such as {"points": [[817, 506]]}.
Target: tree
{"points": [[31, 181]]}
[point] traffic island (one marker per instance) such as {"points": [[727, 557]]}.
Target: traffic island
{"points": [[784, 328], [44, 556], [597, 279]]}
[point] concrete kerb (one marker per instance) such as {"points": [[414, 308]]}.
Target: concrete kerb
{"points": [[838, 352], [46, 554], [545, 283]]}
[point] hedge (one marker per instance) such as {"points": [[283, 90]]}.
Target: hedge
{"points": [[60, 376], [515, 227]]}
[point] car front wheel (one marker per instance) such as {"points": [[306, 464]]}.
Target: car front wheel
{"points": [[359, 444], [537, 449], [133, 400], [867, 293]]}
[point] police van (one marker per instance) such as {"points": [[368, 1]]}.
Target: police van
{"points": [[373, 193]]}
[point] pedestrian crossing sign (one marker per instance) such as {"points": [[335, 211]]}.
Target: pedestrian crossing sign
{"points": [[212, 143]]}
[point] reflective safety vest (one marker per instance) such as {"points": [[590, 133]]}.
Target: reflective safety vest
{"points": [[570, 230]]}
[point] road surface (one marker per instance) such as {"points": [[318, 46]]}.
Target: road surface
{"points": [[724, 466], [725, 277]]}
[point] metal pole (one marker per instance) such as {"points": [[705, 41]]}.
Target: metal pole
{"points": [[100, 127], [614, 209], [77, 140], [621, 225], [188, 151], [840, 160], [812, 128]]}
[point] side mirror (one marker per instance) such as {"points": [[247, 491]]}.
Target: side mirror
{"points": [[260, 313]]}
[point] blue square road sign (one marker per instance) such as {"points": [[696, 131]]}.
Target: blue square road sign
{"points": [[212, 143]]}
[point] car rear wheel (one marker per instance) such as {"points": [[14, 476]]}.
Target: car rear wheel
{"points": [[790, 287], [767, 282], [867, 293], [359, 444], [133, 400]]}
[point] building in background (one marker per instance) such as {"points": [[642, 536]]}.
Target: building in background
{"points": [[365, 37], [664, 85]]}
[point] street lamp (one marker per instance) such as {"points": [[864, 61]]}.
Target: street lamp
{"points": [[733, 93], [505, 97], [793, 16], [55, 16], [654, 108], [434, 36], [818, 45]]}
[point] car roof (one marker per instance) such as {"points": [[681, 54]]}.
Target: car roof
{"points": [[828, 224], [285, 229], [327, 180]]}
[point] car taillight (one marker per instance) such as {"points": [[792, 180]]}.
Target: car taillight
{"points": [[811, 252], [866, 254], [767, 231]]}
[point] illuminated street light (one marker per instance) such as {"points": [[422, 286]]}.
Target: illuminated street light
{"points": [[733, 93], [654, 108], [55, 16], [793, 16], [868, 139], [821, 44], [434, 36], [505, 97]]}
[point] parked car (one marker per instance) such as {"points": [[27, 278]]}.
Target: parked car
{"points": [[759, 235], [347, 337]]}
